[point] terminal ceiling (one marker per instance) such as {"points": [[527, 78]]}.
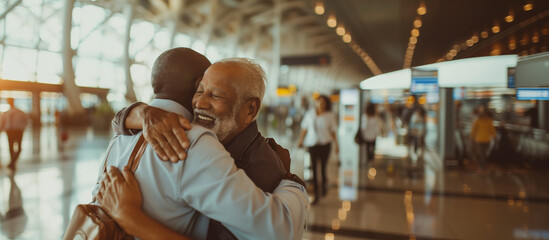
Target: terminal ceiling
{"points": [[380, 30]]}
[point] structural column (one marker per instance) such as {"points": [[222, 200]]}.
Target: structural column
{"points": [[71, 91], [446, 125], [543, 118], [272, 84], [129, 10], [35, 112]]}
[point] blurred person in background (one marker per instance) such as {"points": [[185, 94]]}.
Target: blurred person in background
{"points": [[370, 128], [14, 221], [318, 131], [14, 122], [417, 130], [482, 133]]}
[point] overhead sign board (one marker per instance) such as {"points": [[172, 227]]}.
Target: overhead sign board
{"points": [[424, 84], [533, 93]]}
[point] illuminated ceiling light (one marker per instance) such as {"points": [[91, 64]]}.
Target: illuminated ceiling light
{"points": [[495, 28], [528, 7], [469, 43], [347, 38], [332, 22], [510, 18], [512, 46], [453, 52], [421, 10], [457, 47], [484, 34], [413, 40], [474, 38], [524, 41], [417, 23], [535, 38], [415, 32], [319, 8], [340, 30], [495, 52]]}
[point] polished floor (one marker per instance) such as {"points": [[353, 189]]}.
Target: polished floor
{"points": [[397, 198]]}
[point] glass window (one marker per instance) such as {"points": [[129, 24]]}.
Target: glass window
{"points": [[21, 28], [50, 66], [87, 71], [19, 64]]}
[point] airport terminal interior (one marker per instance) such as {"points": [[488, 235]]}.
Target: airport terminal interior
{"points": [[441, 108]]}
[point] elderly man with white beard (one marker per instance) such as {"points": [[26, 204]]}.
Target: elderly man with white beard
{"points": [[226, 101]]}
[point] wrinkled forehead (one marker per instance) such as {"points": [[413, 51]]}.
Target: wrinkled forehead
{"points": [[226, 75]]}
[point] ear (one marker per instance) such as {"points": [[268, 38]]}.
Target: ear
{"points": [[253, 109]]}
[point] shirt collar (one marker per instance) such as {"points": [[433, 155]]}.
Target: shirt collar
{"points": [[172, 106], [241, 142]]}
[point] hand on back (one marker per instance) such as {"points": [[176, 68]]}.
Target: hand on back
{"points": [[165, 132]]}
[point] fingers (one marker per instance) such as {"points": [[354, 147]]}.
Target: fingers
{"points": [[182, 142], [166, 146], [114, 174], [175, 144], [128, 175], [184, 123], [157, 148]]}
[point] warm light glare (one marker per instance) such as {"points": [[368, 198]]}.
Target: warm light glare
{"points": [[509, 18], [528, 7], [417, 23], [347, 38], [329, 236], [336, 224], [484, 34], [415, 32], [469, 43], [332, 22], [413, 40], [340, 30], [342, 214], [474, 38], [535, 38], [319, 8], [421, 10], [346, 205], [495, 29]]}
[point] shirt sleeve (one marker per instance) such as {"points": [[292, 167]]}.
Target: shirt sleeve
{"points": [[212, 185], [119, 121]]}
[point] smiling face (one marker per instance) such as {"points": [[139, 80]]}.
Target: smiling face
{"points": [[216, 103]]}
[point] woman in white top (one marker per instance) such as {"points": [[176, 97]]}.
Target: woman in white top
{"points": [[318, 131], [370, 127]]}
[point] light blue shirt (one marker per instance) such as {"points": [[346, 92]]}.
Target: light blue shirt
{"points": [[206, 185]]}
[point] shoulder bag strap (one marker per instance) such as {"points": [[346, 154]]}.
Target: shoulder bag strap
{"points": [[137, 152]]}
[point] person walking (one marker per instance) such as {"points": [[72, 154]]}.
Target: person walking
{"points": [[482, 133], [14, 122], [318, 131], [370, 128], [417, 129]]}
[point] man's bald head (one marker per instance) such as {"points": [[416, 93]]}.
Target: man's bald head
{"points": [[175, 72]]}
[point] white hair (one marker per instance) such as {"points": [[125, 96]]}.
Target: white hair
{"points": [[252, 81]]}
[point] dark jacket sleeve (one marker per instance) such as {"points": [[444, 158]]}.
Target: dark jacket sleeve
{"points": [[119, 120]]}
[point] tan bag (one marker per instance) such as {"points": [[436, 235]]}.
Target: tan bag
{"points": [[89, 221]]}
